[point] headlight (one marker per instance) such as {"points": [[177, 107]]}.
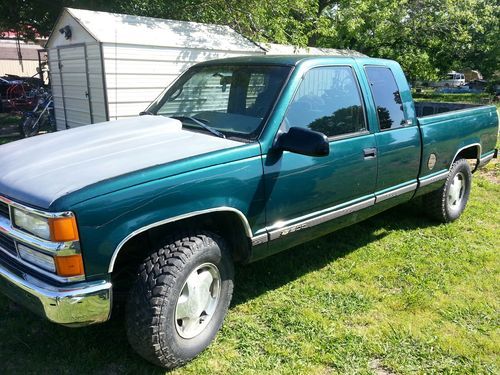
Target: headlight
{"points": [[60, 229], [37, 258], [50, 227], [34, 224]]}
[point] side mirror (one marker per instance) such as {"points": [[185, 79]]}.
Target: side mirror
{"points": [[303, 141]]}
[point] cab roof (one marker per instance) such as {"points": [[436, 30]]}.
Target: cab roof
{"points": [[288, 60]]}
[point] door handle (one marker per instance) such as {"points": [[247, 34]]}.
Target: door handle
{"points": [[370, 153]]}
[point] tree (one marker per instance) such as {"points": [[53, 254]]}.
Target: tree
{"points": [[427, 37]]}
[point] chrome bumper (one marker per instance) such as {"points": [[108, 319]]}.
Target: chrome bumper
{"points": [[73, 305]]}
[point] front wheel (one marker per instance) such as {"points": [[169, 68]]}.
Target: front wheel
{"points": [[180, 298], [448, 203]]}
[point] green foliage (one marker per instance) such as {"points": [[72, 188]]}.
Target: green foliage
{"points": [[428, 37]]}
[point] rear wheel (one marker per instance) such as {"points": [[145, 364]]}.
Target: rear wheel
{"points": [[180, 298], [448, 203]]}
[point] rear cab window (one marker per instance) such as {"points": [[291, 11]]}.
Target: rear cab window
{"points": [[386, 96]]}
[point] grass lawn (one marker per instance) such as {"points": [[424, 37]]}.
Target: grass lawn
{"points": [[9, 127], [453, 98], [396, 294]]}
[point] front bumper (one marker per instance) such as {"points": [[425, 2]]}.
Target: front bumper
{"points": [[73, 305]]}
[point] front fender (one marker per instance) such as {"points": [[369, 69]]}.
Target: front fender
{"points": [[108, 221]]}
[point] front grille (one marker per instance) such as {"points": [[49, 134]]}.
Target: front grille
{"points": [[7, 244], [4, 209]]}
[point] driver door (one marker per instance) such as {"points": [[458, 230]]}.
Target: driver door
{"points": [[300, 188]]}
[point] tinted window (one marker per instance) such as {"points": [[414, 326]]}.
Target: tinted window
{"points": [[328, 101], [386, 96]]}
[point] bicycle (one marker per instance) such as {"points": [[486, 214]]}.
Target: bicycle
{"points": [[41, 117]]}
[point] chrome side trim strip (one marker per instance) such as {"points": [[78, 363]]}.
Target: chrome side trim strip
{"points": [[50, 215], [287, 229], [396, 192], [246, 225], [485, 160], [281, 229], [431, 180], [260, 239]]}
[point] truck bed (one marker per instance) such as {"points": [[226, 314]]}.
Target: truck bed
{"points": [[453, 128], [424, 109]]}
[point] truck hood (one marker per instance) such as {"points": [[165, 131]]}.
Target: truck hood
{"points": [[39, 170]]}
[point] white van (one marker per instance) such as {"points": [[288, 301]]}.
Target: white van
{"points": [[453, 79]]}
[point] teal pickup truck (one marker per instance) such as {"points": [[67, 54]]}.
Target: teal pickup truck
{"points": [[238, 159]]}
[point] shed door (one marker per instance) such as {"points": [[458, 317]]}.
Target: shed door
{"points": [[73, 73]]}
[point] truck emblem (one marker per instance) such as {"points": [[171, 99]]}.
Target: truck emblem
{"points": [[292, 229]]}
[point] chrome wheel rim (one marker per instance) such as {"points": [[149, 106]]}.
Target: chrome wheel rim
{"points": [[456, 192], [198, 300]]}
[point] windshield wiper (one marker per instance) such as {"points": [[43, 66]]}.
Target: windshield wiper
{"points": [[198, 122], [146, 113]]}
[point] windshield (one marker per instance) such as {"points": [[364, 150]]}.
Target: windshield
{"points": [[233, 100]]}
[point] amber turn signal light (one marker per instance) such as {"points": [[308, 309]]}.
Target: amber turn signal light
{"points": [[69, 265], [63, 229]]}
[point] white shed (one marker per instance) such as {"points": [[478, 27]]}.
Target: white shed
{"points": [[105, 66]]}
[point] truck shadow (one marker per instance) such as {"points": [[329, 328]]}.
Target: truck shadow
{"points": [[262, 276], [30, 344]]}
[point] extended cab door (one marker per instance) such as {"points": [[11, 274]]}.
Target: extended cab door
{"points": [[398, 139], [304, 191]]}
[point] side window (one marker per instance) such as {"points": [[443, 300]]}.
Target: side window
{"points": [[386, 97], [328, 101]]}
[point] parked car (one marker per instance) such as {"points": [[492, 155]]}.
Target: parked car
{"points": [[239, 159]]}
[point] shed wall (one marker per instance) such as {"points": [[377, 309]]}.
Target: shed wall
{"points": [[136, 75], [26, 68], [76, 74], [71, 79]]}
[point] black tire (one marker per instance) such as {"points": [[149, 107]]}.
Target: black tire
{"points": [[29, 126], [439, 203], [152, 328]]}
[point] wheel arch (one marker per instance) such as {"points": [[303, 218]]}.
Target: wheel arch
{"points": [[470, 151], [224, 212]]}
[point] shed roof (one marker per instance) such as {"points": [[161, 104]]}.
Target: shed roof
{"points": [[122, 28]]}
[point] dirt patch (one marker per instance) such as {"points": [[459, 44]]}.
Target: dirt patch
{"points": [[378, 368], [491, 171]]}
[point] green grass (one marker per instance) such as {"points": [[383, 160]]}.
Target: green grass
{"points": [[453, 98], [397, 292], [9, 127]]}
